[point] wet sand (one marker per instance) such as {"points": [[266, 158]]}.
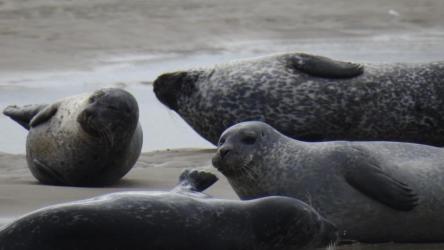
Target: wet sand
{"points": [[21, 193]]}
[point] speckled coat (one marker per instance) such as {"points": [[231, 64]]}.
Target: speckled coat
{"points": [[181, 220], [372, 191], [60, 151], [315, 99]]}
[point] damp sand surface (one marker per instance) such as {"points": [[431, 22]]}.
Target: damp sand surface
{"points": [[20, 193]]}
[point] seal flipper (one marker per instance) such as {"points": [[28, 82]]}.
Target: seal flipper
{"points": [[23, 115], [372, 181], [44, 114], [194, 180], [324, 67]]}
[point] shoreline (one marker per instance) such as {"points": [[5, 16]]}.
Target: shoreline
{"points": [[20, 192]]}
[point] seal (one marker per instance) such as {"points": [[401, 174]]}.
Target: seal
{"points": [[85, 140], [372, 191], [182, 219], [312, 98]]}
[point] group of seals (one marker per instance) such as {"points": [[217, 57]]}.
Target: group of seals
{"points": [[183, 219], [372, 191], [312, 98], [85, 140]]}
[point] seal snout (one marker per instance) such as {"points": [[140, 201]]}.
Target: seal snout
{"points": [[167, 86], [170, 87], [219, 159]]}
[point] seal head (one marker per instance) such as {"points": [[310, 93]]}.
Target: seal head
{"points": [[170, 87], [83, 140], [242, 145], [111, 114]]}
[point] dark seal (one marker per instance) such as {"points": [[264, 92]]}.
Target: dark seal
{"points": [[86, 140], [372, 191], [183, 219], [312, 98]]}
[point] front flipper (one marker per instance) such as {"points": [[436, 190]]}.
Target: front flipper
{"points": [[194, 180], [324, 67], [372, 181], [44, 115], [23, 115]]}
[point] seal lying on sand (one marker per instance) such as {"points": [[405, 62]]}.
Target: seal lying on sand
{"points": [[312, 98], [183, 219], [372, 191], [86, 140]]}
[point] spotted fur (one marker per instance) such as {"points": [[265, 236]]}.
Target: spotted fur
{"points": [[399, 102], [91, 139], [182, 219], [372, 191]]}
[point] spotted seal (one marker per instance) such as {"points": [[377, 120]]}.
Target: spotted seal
{"points": [[312, 98], [87, 140], [372, 191], [182, 219]]}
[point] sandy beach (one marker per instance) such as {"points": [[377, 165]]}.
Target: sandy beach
{"points": [[54, 48], [20, 193]]}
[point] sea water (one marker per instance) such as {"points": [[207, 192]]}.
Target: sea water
{"points": [[162, 127]]}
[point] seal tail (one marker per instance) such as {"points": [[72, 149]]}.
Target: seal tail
{"points": [[196, 180], [23, 115]]}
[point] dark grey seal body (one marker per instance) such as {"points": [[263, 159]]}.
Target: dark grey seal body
{"points": [[312, 98], [372, 191], [183, 219], [86, 140]]}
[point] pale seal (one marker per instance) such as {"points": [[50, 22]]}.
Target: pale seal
{"points": [[312, 98], [183, 219], [85, 140], [372, 191]]}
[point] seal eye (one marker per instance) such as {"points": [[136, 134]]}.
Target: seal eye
{"points": [[221, 141], [249, 138]]}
